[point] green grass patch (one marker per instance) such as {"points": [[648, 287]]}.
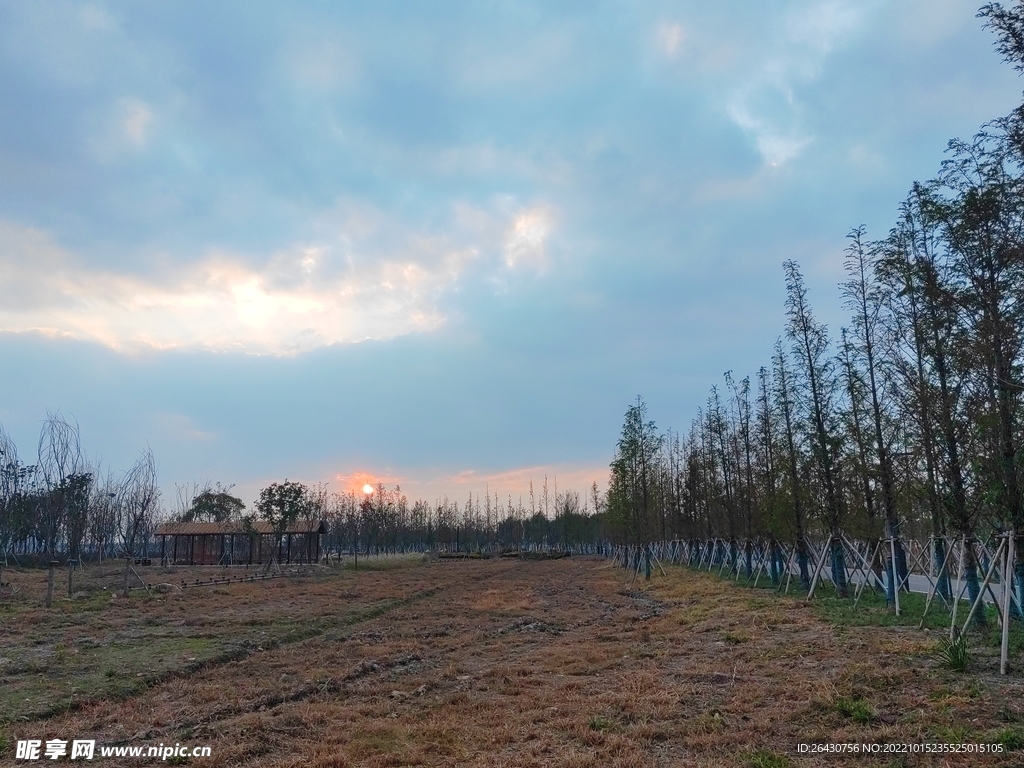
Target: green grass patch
{"points": [[1011, 738], [954, 734], [765, 758], [45, 679], [871, 610], [857, 710], [114, 670]]}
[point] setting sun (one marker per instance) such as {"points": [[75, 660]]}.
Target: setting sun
{"points": [[367, 489]]}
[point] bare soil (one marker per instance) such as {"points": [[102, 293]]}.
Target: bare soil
{"points": [[480, 663]]}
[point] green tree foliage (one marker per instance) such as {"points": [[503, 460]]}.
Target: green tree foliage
{"points": [[214, 505], [632, 488], [281, 504]]}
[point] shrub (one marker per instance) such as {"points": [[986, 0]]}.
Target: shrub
{"points": [[954, 653]]}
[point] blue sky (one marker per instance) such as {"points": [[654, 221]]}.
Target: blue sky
{"points": [[440, 245]]}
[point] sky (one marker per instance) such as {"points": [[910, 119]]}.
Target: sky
{"points": [[443, 246]]}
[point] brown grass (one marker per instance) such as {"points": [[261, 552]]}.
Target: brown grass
{"points": [[495, 663]]}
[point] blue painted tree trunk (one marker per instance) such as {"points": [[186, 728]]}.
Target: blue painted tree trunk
{"points": [[890, 581], [774, 558], [1018, 580], [938, 556], [803, 562], [839, 568]]}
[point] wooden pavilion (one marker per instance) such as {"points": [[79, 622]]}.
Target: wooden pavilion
{"points": [[229, 543]]}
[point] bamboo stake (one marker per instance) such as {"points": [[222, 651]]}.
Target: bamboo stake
{"points": [[858, 556], [868, 565], [935, 588], [981, 593], [817, 569], [790, 564], [895, 574]]}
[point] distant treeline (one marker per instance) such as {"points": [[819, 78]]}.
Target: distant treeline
{"points": [[387, 521], [57, 507]]}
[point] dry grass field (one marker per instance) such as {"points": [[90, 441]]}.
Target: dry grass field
{"points": [[480, 663]]}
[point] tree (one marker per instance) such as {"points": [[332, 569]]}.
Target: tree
{"points": [[811, 348], [135, 506], [865, 298], [12, 475], [281, 504], [783, 390], [215, 505], [631, 489], [60, 459]]}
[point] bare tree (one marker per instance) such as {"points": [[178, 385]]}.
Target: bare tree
{"points": [[135, 506], [60, 458]]}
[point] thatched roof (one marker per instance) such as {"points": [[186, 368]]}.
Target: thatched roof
{"points": [[234, 527]]}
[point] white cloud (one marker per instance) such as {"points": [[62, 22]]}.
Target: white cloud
{"points": [[670, 38], [220, 302], [775, 145], [359, 285], [525, 242], [765, 105]]}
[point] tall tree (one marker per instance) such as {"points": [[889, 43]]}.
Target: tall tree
{"points": [[631, 489], [865, 299], [784, 393], [811, 348]]}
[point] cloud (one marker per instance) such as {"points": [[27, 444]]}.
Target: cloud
{"points": [[670, 38], [525, 242], [354, 482], [288, 305], [766, 104], [368, 281], [777, 145], [510, 482]]}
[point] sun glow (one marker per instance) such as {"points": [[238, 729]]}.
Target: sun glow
{"points": [[367, 489]]}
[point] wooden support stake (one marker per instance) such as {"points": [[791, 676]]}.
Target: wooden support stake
{"points": [[869, 565], [790, 564], [981, 593], [935, 587], [818, 567]]}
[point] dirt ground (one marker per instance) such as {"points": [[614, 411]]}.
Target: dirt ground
{"points": [[481, 663]]}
